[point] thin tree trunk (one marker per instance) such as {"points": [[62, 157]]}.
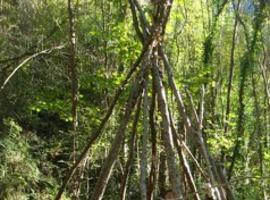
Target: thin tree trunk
{"points": [[74, 92], [153, 172], [73, 73], [107, 166], [143, 160], [195, 135], [259, 133], [132, 145], [230, 80], [184, 162], [264, 142], [265, 83], [162, 174], [174, 175]]}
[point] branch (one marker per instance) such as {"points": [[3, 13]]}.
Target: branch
{"points": [[47, 51], [32, 50]]}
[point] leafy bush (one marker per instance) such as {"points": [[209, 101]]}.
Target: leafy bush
{"points": [[20, 177]]}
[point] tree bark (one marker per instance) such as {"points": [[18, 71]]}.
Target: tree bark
{"points": [[153, 172], [174, 175], [132, 145], [184, 162], [74, 93], [162, 174], [143, 160]]}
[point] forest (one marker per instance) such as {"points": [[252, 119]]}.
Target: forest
{"points": [[134, 99]]}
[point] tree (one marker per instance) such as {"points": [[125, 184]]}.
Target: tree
{"points": [[134, 99]]}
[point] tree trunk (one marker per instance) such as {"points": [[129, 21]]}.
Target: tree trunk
{"points": [[162, 174], [74, 92], [143, 160], [73, 73], [230, 79], [174, 175], [185, 163], [132, 145], [153, 172], [116, 145], [195, 135]]}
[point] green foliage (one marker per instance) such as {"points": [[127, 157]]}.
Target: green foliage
{"points": [[36, 141], [21, 176]]}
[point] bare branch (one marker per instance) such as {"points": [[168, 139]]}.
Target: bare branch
{"points": [[47, 51]]}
